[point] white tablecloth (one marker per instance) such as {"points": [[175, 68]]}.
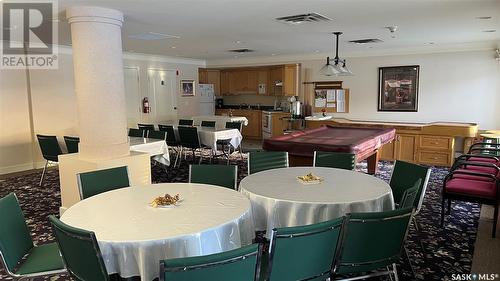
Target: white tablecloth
{"points": [[134, 237], [280, 200], [220, 120], [210, 136], [158, 149]]}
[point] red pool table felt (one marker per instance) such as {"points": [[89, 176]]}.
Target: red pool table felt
{"points": [[362, 142]]}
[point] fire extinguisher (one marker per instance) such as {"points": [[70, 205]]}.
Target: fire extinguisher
{"points": [[145, 105]]}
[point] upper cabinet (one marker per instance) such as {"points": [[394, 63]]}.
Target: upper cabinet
{"points": [[210, 76], [277, 80]]}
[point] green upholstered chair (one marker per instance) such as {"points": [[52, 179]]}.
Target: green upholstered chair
{"points": [[50, 151], [303, 252], [157, 135], [96, 182], [185, 122], [16, 242], [373, 241], [241, 264], [210, 124], [409, 197], [266, 160], [189, 139], [71, 143], [171, 140], [80, 252], [341, 160], [221, 175], [146, 127], [404, 175], [138, 133]]}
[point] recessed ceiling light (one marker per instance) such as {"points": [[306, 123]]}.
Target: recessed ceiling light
{"points": [[316, 51], [483, 18], [235, 57], [173, 47], [429, 43], [273, 54], [490, 30], [237, 42]]}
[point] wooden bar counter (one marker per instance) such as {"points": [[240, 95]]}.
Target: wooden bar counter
{"points": [[422, 143]]}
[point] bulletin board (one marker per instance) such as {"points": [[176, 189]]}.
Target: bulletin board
{"points": [[331, 97]]}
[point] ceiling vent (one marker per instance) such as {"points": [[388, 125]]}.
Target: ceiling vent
{"points": [[366, 41], [241, 51], [297, 19], [152, 36]]}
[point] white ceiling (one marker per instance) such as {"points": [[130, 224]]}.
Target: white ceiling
{"points": [[208, 28]]}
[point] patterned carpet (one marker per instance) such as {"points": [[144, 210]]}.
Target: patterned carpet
{"points": [[448, 250]]}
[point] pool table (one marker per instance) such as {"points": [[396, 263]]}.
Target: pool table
{"points": [[363, 142]]}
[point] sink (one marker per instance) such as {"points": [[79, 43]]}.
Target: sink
{"points": [[318, 118]]}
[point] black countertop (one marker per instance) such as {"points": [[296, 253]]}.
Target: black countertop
{"points": [[243, 106]]}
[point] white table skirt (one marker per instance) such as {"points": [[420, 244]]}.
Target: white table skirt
{"points": [[280, 200], [209, 136], [158, 149], [133, 237]]}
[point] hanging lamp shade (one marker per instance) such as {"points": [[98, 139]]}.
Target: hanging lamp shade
{"points": [[338, 68], [328, 69]]}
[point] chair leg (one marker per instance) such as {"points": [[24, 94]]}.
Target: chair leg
{"points": [[395, 271], [449, 206], [419, 236], [240, 148], [442, 211], [43, 173], [495, 220], [409, 262], [201, 156]]}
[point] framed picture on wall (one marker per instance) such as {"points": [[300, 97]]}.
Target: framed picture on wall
{"points": [[398, 88], [187, 87]]}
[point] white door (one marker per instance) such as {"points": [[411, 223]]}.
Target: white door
{"points": [[163, 94], [132, 96]]}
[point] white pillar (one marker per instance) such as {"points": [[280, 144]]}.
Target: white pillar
{"points": [[99, 85]]}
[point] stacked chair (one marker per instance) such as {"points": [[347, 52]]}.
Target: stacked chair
{"points": [[50, 151], [474, 177]]}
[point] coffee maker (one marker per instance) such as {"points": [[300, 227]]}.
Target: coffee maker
{"points": [[295, 108]]}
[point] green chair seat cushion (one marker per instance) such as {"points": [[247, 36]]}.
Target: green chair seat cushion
{"points": [[42, 258]]}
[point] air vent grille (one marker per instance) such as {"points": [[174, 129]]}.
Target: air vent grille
{"points": [[366, 41], [297, 19], [241, 51]]}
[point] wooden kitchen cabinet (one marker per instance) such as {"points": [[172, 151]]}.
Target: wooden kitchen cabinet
{"points": [[224, 82], [210, 76], [279, 123], [405, 147], [291, 80]]}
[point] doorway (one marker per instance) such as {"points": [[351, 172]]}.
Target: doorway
{"points": [[163, 94]]}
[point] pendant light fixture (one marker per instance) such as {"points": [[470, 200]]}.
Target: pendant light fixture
{"points": [[338, 68]]}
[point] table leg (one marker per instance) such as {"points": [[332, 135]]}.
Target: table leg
{"points": [[373, 162]]}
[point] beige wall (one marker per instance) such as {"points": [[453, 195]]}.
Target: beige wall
{"points": [[53, 104], [454, 86]]}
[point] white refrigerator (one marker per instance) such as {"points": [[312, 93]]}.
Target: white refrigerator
{"points": [[207, 99]]}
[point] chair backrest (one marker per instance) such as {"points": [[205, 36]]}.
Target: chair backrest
{"points": [[49, 146], [372, 240], [221, 175], [266, 160], [404, 175], [237, 265], [171, 140], [234, 125], [146, 127], [15, 239], [208, 124], [339, 160], [95, 182], [80, 251], [410, 196], [158, 135], [185, 122], [71, 143], [136, 133], [304, 252], [189, 137]]}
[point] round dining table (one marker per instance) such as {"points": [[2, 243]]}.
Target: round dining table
{"points": [[279, 199], [133, 236]]}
